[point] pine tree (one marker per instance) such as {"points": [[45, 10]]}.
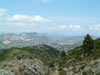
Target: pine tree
{"points": [[63, 54], [88, 44]]}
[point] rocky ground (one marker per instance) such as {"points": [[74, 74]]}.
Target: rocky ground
{"points": [[23, 67], [84, 68]]}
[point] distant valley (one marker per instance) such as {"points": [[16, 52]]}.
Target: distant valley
{"points": [[34, 38]]}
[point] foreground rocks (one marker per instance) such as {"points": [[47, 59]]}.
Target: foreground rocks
{"points": [[23, 67], [4, 72], [84, 68]]}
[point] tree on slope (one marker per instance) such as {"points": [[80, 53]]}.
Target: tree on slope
{"points": [[88, 44], [63, 53]]}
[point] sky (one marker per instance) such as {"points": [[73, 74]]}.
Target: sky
{"points": [[67, 17]]}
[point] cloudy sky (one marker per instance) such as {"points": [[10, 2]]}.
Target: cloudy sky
{"points": [[68, 17]]}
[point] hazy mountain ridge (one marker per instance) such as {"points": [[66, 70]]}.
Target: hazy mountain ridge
{"points": [[34, 38]]}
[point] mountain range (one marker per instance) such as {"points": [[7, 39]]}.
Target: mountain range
{"points": [[33, 38]]}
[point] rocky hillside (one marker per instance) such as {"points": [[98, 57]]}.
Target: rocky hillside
{"points": [[32, 60], [79, 62], [23, 67]]}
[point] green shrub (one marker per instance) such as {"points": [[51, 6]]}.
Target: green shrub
{"points": [[62, 73]]}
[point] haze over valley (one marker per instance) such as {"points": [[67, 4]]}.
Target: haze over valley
{"points": [[34, 38]]}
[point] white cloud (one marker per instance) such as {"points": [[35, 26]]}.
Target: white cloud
{"points": [[25, 18], [40, 19], [19, 17], [95, 27], [20, 22], [74, 27], [70, 27]]}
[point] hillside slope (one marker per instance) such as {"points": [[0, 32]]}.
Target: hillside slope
{"points": [[77, 62], [32, 60]]}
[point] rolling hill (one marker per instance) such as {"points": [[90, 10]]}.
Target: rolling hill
{"points": [[33, 60]]}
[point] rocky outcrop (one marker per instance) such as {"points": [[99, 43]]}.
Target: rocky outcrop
{"points": [[84, 68], [24, 67], [3, 72]]}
